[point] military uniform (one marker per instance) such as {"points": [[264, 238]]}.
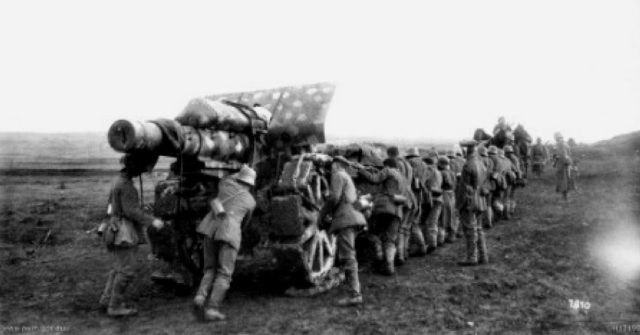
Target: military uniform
{"points": [[409, 212], [130, 220], [433, 235], [386, 214], [518, 171], [564, 179], [486, 220], [222, 239], [539, 155], [448, 221], [471, 205], [345, 224], [420, 176]]}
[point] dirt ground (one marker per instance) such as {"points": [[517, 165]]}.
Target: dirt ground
{"points": [[556, 267]]}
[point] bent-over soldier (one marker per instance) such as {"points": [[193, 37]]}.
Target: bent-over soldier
{"points": [[222, 230]]}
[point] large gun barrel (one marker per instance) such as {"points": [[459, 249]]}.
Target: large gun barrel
{"points": [[168, 138]]}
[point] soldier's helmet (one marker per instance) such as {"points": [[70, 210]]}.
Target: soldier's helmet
{"points": [[443, 161], [482, 151], [508, 149], [413, 152], [450, 153], [246, 175], [493, 150]]}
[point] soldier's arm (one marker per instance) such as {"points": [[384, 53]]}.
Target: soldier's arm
{"points": [[130, 203], [374, 177], [335, 190]]}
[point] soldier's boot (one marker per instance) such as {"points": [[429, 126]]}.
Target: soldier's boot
{"points": [[400, 257], [483, 256], [378, 253], [489, 217], [472, 254], [351, 278], [108, 288], [407, 237], [389, 256], [218, 293], [203, 289], [419, 239], [117, 306], [451, 236], [441, 237]]}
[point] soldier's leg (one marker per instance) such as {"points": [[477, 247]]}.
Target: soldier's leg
{"points": [[441, 226], [226, 256], [389, 238], [417, 233], [483, 256], [125, 263], [432, 225], [448, 217], [108, 288], [374, 237], [210, 265], [347, 254], [400, 241], [469, 225]]}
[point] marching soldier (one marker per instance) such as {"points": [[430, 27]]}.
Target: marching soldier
{"points": [[563, 164], [498, 178], [387, 212], [486, 220], [517, 182], [540, 155], [125, 232], [345, 224], [471, 205], [222, 230], [420, 174], [410, 208], [448, 218], [434, 237]]}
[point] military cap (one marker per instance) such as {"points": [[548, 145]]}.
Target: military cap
{"points": [[493, 150], [429, 160], [393, 151], [450, 153], [508, 149], [443, 161], [413, 152]]}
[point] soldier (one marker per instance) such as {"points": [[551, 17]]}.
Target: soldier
{"points": [[540, 155], [498, 178], [471, 205], [501, 126], [448, 217], [486, 220], [515, 183], [409, 209], [126, 224], [222, 230], [420, 175], [345, 224], [387, 212], [563, 163], [434, 237]]}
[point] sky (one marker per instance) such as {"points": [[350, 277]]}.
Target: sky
{"points": [[403, 69]]}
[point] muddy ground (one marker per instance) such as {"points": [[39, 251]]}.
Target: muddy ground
{"points": [[556, 267]]}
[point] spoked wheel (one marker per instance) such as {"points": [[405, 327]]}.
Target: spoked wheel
{"points": [[319, 253]]}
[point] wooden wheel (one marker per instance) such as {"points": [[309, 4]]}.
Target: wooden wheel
{"points": [[319, 252]]}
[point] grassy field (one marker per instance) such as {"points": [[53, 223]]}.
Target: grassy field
{"points": [[548, 264]]}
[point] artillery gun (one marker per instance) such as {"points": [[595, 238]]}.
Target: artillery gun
{"points": [[211, 139]]}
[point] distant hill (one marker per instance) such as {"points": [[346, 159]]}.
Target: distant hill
{"points": [[626, 143]]}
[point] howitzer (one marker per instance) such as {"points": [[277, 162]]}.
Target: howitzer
{"points": [[265, 130]]}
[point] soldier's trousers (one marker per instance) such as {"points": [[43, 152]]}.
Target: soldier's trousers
{"points": [[510, 204], [448, 225], [404, 233], [346, 243], [486, 218], [219, 264], [121, 274], [431, 229], [474, 236], [384, 236]]}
